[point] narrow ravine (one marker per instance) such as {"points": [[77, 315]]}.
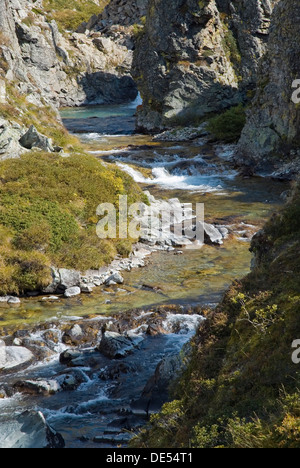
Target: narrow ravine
{"points": [[106, 406]]}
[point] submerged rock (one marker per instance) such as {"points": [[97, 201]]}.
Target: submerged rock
{"points": [[29, 430]]}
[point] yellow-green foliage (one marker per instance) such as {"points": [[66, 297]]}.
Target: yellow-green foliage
{"points": [[48, 203], [48, 215], [69, 14], [241, 388], [17, 109], [229, 125]]}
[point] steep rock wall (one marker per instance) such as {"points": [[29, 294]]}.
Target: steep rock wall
{"points": [[194, 58], [271, 136]]}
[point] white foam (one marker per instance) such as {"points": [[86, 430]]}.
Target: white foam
{"points": [[182, 323], [166, 180]]}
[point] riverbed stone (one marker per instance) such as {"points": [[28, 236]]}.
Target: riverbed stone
{"points": [[4, 299], [212, 235], [13, 300], [115, 346], [115, 278], [14, 357], [73, 336], [29, 430], [87, 288], [38, 387]]}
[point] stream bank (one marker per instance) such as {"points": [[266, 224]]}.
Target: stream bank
{"points": [[92, 399]]}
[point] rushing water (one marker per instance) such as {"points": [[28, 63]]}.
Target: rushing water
{"points": [[193, 172]]}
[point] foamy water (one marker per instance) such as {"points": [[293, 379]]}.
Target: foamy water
{"points": [[163, 178]]}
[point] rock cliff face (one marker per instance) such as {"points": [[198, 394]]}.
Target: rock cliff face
{"points": [[194, 58], [124, 13], [63, 70], [272, 132]]}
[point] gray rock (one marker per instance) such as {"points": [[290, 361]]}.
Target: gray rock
{"points": [[33, 139], [69, 278], [73, 336], [13, 300], [115, 346], [187, 60], [14, 357], [156, 391], [87, 288], [70, 355], [77, 358], [54, 286], [212, 235], [272, 131], [72, 292], [29, 430], [38, 387], [115, 278], [50, 299], [4, 299]]}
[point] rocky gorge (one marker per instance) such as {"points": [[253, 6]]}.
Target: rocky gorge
{"points": [[117, 342]]}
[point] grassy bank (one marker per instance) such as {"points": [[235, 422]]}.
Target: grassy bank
{"points": [[48, 203], [69, 14], [241, 388], [48, 216]]}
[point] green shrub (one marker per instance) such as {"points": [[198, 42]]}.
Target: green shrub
{"points": [[48, 211], [229, 125]]}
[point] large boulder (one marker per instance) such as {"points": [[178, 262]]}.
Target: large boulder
{"points": [[63, 279], [29, 430], [115, 278], [156, 391], [33, 139]]}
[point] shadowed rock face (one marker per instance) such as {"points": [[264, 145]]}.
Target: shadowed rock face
{"points": [[194, 58], [273, 124]]}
